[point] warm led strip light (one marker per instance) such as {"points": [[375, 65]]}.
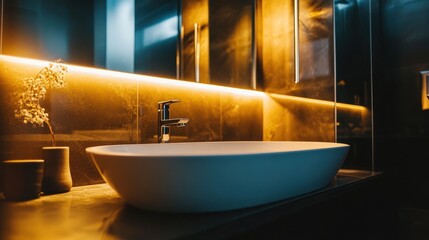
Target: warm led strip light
{"points": [[136, 77], [296, 38], [179, 83], [317, 101]]}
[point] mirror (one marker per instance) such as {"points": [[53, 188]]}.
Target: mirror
{"points": [[195, 40], [353, 51], [218, 42], [353, 58]]}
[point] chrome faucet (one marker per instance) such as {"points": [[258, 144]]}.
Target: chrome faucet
{"points": [[164, 121]]}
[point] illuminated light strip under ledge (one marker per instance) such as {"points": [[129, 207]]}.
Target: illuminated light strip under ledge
{"points": [[178, 83], [136, 77], [317, 101], [296, 38]]}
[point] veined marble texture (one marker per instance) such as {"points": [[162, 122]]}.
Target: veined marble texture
{"points": [[276, 48], [99, 107], [286, 119], [195, 11]]}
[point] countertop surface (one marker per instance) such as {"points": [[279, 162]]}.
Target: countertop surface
{"points": [[97, 212]]}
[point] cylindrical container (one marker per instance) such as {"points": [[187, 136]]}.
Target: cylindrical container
{"points": [[22, 179], [57, 176]]}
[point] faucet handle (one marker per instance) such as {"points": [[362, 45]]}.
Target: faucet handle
{"points": [[169, 101], [163, 104]]}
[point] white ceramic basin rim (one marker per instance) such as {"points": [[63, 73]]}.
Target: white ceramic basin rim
{"points": [[210, 148], [216, 176]]}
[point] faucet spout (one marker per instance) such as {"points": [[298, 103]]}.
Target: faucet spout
{"points": [[179, 122], [164, 121]]}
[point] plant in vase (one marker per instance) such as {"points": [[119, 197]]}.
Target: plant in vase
{"points": [[56, 176]]}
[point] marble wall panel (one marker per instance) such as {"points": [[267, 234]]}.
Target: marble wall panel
{"points": [[276, 48], [99, 107], [231, 42], [90, 110], [200, 106], [298, 120], [241, 118], [276, 45], [195, 11]]}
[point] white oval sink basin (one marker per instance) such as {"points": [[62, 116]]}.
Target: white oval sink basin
{"points": [[216, 176]]}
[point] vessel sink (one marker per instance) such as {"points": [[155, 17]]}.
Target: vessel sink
{"points": [[216, 176]]}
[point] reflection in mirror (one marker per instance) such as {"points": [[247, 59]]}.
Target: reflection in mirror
{"points": [[194, 58], [276, 48], [118, 37], [156, 37], [353, 52], [149, 37], [48, 29], [218, 42], [121, 35], [354, 79], [232, 42]]}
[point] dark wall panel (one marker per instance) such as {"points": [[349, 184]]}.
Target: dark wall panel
{"points": [[401, 126]]}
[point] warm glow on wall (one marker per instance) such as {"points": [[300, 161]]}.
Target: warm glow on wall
{"points": [[183, 85], [136, 77], [318, 102]]}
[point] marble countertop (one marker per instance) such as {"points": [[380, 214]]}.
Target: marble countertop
{"points": [[97, 212]]}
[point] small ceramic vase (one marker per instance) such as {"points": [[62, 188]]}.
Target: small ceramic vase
{"points": [[56, 176], [22, 179]]}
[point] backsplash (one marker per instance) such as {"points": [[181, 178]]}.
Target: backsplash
{"points": [[100, 107]]}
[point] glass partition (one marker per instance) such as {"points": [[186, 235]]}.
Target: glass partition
{"points": [[353, 53]]}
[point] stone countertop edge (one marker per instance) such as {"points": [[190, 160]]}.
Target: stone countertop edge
{"points": [[97, 211]]}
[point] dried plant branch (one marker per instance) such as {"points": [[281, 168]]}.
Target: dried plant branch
{"points": [[35, 88]]}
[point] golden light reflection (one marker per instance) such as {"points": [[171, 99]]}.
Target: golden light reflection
{"points": [[121, 76], [318, 102], [319, 13]]}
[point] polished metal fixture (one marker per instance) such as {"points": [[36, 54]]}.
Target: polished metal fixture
{"points": [[197, 50], [164, 121], [296, 38]]}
